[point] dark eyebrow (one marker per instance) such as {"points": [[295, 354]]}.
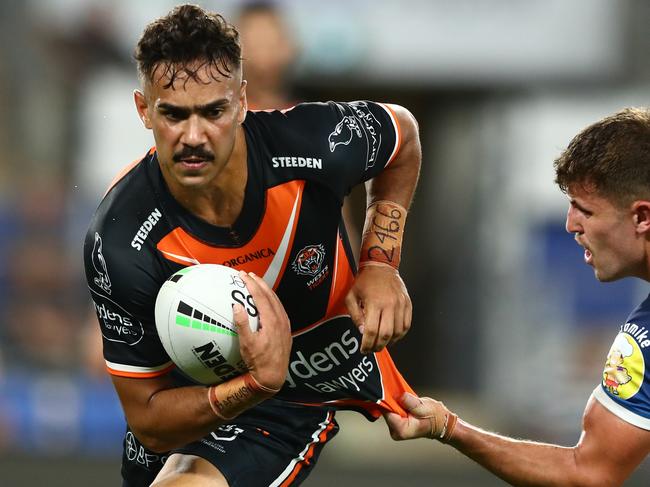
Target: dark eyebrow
{"points": [[577, 205], [168, 107]]}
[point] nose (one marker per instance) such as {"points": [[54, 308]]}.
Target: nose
{"points": [[573, 221], [193, 133]]}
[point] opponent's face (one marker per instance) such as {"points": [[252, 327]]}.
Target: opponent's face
{"points": [[614, 237], [194, 123]]}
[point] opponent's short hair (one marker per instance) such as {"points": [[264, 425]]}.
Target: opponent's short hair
{"points": [[184, 41], [611, 156]]}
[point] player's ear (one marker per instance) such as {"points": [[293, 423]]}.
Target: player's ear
{"points": [[641, 216], [243, 102], [143, 107]]}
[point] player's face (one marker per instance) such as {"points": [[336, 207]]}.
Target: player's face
{"points": [[194, 124], [608, 233]]}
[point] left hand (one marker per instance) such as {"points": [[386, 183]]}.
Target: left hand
{"points": [[380, 306]]}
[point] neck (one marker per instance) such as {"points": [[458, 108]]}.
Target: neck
{"points": [[220, 202]]}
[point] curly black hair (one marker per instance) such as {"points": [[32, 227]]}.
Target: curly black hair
{"points": [[184, 41]]}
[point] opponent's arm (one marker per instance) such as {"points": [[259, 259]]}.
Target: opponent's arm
{"points": [[378, 301], [609, 448], [164, 417]]}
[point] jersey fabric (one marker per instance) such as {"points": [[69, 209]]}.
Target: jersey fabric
{"points": [[274, 444], [625, 385], [301, 164]]}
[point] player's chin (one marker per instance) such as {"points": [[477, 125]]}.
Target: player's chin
{"points": [[604, 275], [192, 179]]}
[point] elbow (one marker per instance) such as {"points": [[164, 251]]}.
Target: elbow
{"points": [[407, 121], [152, 442]]}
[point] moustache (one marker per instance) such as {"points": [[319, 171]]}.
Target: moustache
{"points": [[197, 152]]}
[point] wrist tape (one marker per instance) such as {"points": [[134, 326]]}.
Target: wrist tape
{"points": [[381, 243], [229, 399], [441, 420]]}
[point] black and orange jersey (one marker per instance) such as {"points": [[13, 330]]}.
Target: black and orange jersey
{"points": [[301, 164]]}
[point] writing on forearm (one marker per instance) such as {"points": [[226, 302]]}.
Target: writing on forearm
{"points": [[382, 234]]}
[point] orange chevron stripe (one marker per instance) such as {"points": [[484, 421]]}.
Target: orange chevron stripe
{"points": [[183, 248]]}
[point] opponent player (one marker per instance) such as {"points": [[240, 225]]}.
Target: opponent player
{"points": [[605, 171], [261, 192]]}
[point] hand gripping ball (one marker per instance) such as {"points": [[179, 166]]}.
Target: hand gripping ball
{"points": [[195, 323]]}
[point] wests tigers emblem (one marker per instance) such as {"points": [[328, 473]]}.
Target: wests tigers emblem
{"points": [[309, 260]]}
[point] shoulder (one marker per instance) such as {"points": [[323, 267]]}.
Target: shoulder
{"points": [[116, 260], [624, 388]]}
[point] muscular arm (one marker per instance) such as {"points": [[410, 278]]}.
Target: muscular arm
{"points": [[609, 449], [378, 301], [164, 417], [397, 182]]}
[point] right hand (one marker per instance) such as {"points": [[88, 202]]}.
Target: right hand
{"points": [[266, 351], [426, 418]]}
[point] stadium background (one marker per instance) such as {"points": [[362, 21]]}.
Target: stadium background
{"points": [[510, 328]]}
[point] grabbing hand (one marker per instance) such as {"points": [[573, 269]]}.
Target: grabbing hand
{"points": [[266, 351], [380, 306], [426, 418]]}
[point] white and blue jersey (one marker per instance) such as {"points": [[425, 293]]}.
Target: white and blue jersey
{"points": [[625, 384]]}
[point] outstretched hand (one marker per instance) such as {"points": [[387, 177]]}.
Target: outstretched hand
{"points": [[265, 351], [380, 306], [426, 418]]}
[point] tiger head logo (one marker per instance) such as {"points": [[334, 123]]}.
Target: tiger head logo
{"points": [[309, 260]]}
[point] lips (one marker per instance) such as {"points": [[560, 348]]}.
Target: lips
{"points": [[588, 256], [193, 162]]}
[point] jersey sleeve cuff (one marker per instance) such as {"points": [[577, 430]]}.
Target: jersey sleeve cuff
{"points": [[133, 371], [398, 133], [615, 408]]}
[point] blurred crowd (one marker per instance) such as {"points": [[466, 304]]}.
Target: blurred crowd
{"points": [[482, 238], [52, 174]]}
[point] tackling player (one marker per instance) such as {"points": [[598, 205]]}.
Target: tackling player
{"points": [[605, 171], [261, 192]]}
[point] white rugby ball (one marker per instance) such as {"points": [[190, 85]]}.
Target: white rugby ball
{"points": [[195, 322]]}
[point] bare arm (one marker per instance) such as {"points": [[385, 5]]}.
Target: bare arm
{"points": [[398, 181], [609, 449], [164, 417], [378, 301]]}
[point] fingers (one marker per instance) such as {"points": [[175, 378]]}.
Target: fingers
{"points": [[396, 426], [240, 317], [413, 405], [267, 302], [371, 329], [356, 312], [380, 306], [386, 328]]}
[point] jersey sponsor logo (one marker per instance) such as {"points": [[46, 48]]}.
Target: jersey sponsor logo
{"points": [[297, 161], [625, 367], [309, 262], [117, 325], [249, 257], [146, 227], [362, 125], [101, 280], [137, 453], [326, 360], [640, 333]]}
